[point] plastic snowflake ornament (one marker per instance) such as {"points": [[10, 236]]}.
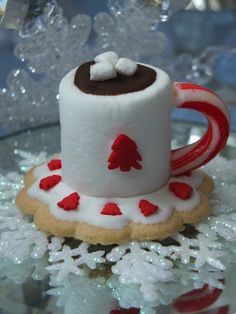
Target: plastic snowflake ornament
{"points": [[203, 250], [83, 294], [67, 265], [67, 260], [56, 244], [144, 268], [224, 225], [87, 258], [10, 185]]}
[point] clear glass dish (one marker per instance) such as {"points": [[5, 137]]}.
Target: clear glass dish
{"points": [[30, 296]]}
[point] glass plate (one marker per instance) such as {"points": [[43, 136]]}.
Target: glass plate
{"points": [[30, 296]]}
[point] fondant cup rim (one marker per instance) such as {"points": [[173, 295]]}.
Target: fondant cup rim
{"points": [[144, 77], [93, 234], [69, 77]]}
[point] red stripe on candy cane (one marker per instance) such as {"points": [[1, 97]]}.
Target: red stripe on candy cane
{"points": [[203, 145], [194, 87], [212, 142]]}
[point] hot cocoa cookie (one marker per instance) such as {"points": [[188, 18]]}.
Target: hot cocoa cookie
{"points": [[117, 178]]}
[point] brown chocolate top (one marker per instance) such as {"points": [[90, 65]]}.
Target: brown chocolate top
{"points": [[122, 84]]}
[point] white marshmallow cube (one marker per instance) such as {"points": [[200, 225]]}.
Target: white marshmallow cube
{"points": [[109, 56], [102, 71], [126, 66]]}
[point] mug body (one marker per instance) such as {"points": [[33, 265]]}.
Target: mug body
{"points": [[91, 123]]}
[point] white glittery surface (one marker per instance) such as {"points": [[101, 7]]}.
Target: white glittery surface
{"points": [[144, 274]]}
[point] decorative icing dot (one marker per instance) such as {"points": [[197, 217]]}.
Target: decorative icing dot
{"points": [[111, 209], [181, 190], [147, 208], [54, 164], [124, 154], [125, 311], [69, 202], [49, 182]]}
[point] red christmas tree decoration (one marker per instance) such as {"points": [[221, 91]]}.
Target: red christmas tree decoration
{"points": [[126, 311], [111, 209], [69, 202], [54, 164], [49, 182], [124, 154], [147, 208], [181, 190]]}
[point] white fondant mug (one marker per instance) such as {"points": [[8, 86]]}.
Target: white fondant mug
{"points": [[91, 123]]}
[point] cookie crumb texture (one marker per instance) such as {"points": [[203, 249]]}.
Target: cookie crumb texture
{"points": [[154, 216]]}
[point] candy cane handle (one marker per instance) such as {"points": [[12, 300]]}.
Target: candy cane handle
{"points": [[203, 100]]}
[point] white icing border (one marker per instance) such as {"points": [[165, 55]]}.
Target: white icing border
{"points": [[90, 207]]}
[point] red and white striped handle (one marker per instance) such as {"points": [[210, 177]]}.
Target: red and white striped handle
{"points": [[203, 100]]}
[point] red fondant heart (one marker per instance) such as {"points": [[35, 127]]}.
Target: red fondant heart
{"points": [[147, 208], [125, 311], [49, 182], [70, 202], [181, 190], [54, 164], [111, 209]]}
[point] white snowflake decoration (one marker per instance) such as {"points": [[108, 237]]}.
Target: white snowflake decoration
{"points": [[67, 260], [142, 267], [9, 187], [21, 243], [224, 225], [144, 274], [83, 293], [203, 250]]}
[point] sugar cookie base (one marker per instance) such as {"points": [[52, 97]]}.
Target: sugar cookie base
{"points": [[132, 231]]}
